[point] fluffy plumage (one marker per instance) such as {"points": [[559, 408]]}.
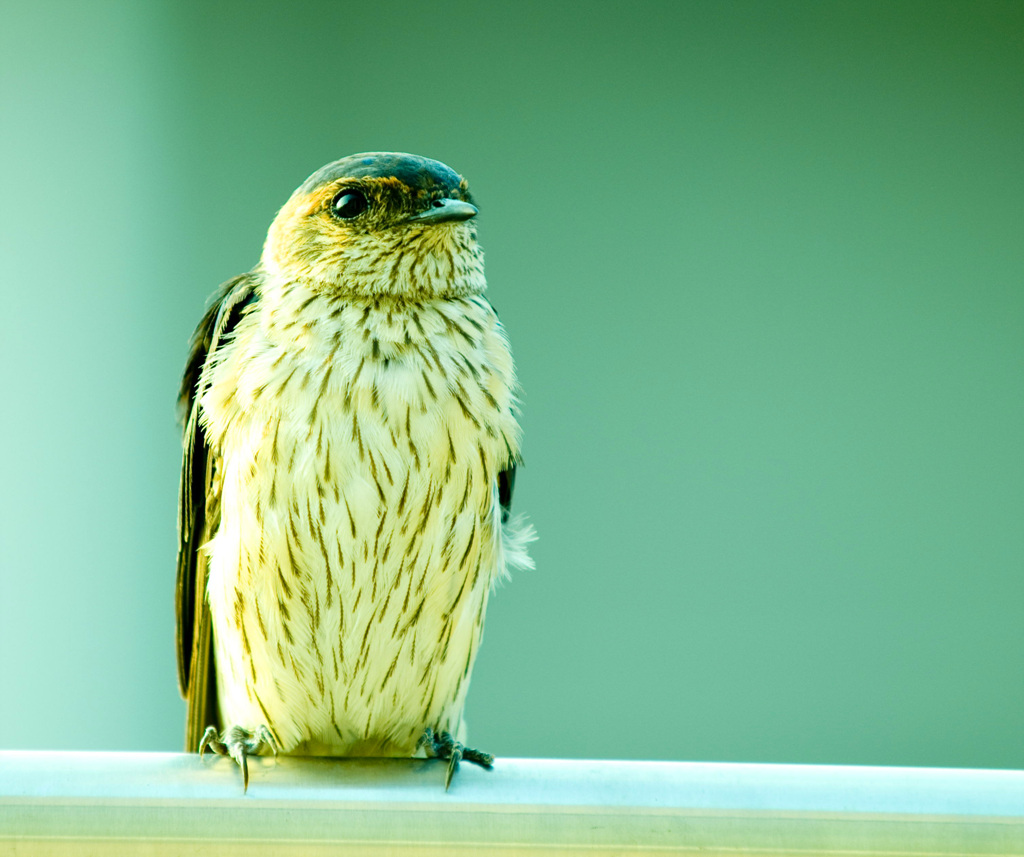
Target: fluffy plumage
{"points": [[350, 449]]}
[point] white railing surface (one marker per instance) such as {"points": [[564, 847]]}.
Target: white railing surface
{"points": [[72, 803]]}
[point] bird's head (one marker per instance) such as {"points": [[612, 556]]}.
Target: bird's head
{"points": [[379, 224]]}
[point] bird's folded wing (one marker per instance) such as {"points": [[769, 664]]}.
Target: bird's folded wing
{"points": [[197, 508]]}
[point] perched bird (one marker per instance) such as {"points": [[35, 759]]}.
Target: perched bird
{"points": [[350, 450]]}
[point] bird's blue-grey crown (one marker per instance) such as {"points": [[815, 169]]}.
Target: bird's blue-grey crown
{"points": [[415, 171]]}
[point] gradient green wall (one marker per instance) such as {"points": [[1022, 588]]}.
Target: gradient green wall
{"points": [[763, 269]]}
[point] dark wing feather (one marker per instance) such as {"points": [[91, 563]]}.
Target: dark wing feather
{"points": [[197, 510], [507, 477], [506, 485]]}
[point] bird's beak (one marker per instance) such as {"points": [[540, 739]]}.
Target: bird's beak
{"points": [[445, 211]]}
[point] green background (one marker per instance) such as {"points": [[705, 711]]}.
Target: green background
{"points": [[763, 269]]}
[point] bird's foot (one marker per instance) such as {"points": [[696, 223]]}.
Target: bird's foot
{"points": [[239, 743], [441, 745]]}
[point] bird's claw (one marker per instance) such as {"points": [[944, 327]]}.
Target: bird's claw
{"points": [[239, 743], [442, 745]]}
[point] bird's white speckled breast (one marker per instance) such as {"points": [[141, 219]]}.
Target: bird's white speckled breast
{"points": [[360, 531]]}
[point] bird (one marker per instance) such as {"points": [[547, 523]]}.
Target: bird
{"points": [[350, 446]]}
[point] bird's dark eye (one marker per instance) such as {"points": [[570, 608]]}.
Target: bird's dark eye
{"points": [[348, 204]]}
